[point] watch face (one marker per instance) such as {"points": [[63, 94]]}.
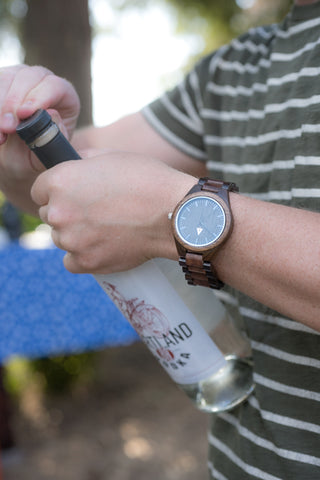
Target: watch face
{"points": [[200, 221]]}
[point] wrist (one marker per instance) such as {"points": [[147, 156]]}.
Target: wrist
{"points": [[164, 246]]}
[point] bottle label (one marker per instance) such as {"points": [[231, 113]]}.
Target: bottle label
{"points": [[164, 323]]}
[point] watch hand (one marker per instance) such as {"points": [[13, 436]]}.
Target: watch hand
{"points": [[203, 227]]}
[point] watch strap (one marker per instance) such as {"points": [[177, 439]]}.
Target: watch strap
{"points": [[206, 184], [197, 270]]}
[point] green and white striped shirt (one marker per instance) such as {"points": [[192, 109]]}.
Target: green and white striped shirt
{"points": [[251, 110]]}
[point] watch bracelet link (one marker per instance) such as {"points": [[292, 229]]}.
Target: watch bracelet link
{"points": [[206, 184], [198, 271]]}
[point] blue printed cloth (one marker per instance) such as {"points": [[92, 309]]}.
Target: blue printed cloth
{"points": [[45, 310]]}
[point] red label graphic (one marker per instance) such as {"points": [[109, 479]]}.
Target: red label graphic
{"points": [[146, 319]]}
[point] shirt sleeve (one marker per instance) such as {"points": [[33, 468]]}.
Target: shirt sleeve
{"points": [[176, 115]]}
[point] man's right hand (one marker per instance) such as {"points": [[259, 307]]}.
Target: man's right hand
{"points": [[23, 90]]}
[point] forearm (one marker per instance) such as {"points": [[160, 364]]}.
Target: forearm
{"points": [[132, 133], [273, 255]]}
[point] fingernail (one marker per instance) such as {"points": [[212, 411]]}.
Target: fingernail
{"points": [[8, 121], [28, 103]]}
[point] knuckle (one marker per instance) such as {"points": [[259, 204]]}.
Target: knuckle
{"points": [[87, 261], [10, 72], [82, 256], [58, 217], [11, 102], [55, 183], [54, 217], [62, 239], [38, 69], [78, 263], [67, 243]]}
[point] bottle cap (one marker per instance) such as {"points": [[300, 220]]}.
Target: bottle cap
{"points": [[30, 128]]}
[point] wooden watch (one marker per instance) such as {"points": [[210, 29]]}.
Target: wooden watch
{"points": [[201, 223]]}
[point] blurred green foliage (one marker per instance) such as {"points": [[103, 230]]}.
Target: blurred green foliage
{"points": [[54, 376], [17, 376], [60, 373], [216, 21]]}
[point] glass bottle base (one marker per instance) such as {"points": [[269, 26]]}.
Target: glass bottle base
{"points": [[224, 390]]}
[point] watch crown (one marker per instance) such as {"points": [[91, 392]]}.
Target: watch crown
{"points": [[170, 215]]}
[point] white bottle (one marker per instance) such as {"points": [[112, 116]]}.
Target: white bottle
{"points": [[175, 320]]}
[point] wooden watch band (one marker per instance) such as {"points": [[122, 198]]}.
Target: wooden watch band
{"points": [[197, 270], [206, 184]]}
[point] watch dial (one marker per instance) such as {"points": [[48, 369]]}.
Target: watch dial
{"points": [[200, 221]]}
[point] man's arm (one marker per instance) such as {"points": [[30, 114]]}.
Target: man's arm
{"points": [[273, 256], [110, 213], [134, 134]]}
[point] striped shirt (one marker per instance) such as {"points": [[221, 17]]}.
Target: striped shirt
{"points": [[251, 110]]}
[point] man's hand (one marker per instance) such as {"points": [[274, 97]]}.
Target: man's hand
{"points": [[23, 90], [110, 212]]}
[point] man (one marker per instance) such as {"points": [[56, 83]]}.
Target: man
{"points": [[248, 113]]}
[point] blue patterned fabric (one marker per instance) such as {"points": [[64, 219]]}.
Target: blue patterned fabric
{"points": [[45, 310]]}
